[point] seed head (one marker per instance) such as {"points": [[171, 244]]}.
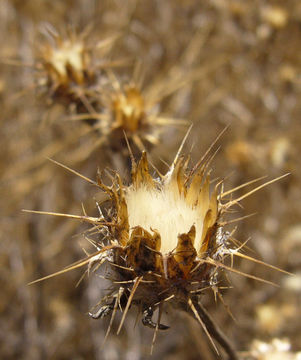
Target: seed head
{"points": [[71, 66], [163, 239], [128, 109], [66, 61]]}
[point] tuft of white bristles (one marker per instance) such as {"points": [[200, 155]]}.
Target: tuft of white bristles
{"points": [[164, 211]]}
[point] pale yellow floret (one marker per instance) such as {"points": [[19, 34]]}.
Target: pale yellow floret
{"points": [[165, 211]]}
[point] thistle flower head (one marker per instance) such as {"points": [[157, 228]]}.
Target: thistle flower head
{"points": [[130, 109], [66, 60], [163, 238], [163, 234], [69, 67]]}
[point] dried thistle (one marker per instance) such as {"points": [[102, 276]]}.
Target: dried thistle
{"points": [[126, 110], [71, 66], [132, 112], [67, 60], [129, 109], [164, 241]]}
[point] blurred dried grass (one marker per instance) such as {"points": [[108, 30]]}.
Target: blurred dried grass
{"points": [[247, 66]]}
